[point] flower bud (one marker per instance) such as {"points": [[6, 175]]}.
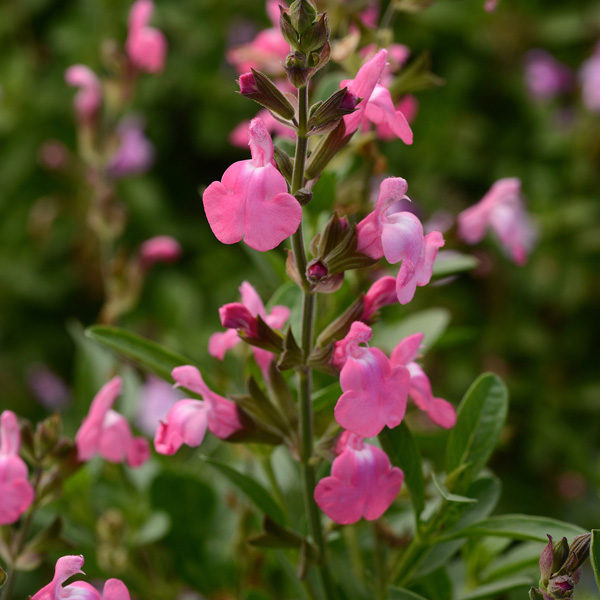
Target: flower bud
{"points": [[258, 87], [547, 562], [328, 113], [297, 72], [578, 553], [317, 60], [304, 196], [237, 316], [316, 36], [561, 587], [321, 281], [316, 270], [287, 29], [302, 15]]}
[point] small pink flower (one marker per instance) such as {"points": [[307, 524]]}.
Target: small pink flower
{"points": [[381, 293], [146, 46], [16, 493], [362, 482], [161, 248], [590, 81], [239, 136], [135, 153], [89, 98], [502, 210], [188, 420], [399, 237], [108, 433], [376, 106], [251, 201], [491, 5], [156, 399], [439, 410], [546, 77], [408, 106], [243, 316], [374, 392]]}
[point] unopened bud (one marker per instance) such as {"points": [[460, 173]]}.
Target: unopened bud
{"points": [[302, 15], [304, 196], [297, 72], [287, 29], [47, 434], [321, 281], [317, 60], [560, 587], [316, 270], [328, 113], [316, 36], [237, 316], [258, 87]]}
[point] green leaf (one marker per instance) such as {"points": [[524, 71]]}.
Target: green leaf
{"points": [[595, 554], [441, 488], [497, 588], [399, 445], [254, 491], [143, 352], [521, 557], [436, 585], [453, 264], [518, 527], [431, 323], [403, 594], [479, 421], [155, 528]]}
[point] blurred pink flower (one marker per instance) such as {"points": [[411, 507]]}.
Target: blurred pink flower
{"points": [[156, 399], [89, 98], [502, 210], [135, 153], [376, 105], [239, 136], [188, 420], [590, 81], [161, 248], [47, 387], [546, 77], [146, 46], [399, 237], [250, 308], [491, 5], [16, 493], [440, 411], [362, 482], [251, 201], [108, 433], [374, 392]]}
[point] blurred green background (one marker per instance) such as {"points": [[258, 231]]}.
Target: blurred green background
{"points": [[537, 326]]}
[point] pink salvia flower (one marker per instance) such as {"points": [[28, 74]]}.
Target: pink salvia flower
{"points": [[399, 237], [546, 77], [502, 210], [66, 567], [239, 136], [375, 394], [491, 5], [590, 81], [108, 433], [376, 106], [156, 399], [146, 46], [89, 98], [251, 201], [188, 420], [161, 248], [440, 411], [381, 293], [16, 493], [243, 316], [135, 153], [362, 482]]}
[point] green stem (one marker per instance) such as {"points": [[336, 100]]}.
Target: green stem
{"points": [[304, 372], [409, 562], [379, 564]]}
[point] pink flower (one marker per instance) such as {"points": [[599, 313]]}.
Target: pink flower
{"points": [[545, 76], [156, 399], [66, 567], [408, 106], [491, 5], [239, 136], [89, 98], [16, 492], [146, 46], [502, 210], [381, 293], [108, 433], [590, 81], [251, 201], [243, 316], [439, 410], [375, 393], [161, 248], [188, 420], [399, 237], [376, 106], [362, 482], [135, 153]]}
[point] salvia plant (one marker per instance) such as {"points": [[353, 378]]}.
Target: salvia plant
{"points": [[349, 504]]}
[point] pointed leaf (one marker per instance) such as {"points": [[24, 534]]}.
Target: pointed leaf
{"points": [[445, 266], [441, 488], [479, 421], [595, 554], [141, 351], [253, 490], [399, 445], [497, 589]]}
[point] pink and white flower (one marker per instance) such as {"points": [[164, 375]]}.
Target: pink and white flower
{"points": [[16, 492], [236, 316], [89, 97], [374, 392], [381, 293], [440, 411], [251, 201], [376, 106], [188, 420], [362, 482], [146, 46], [503, 211], [108, 433], [399, 237]]}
